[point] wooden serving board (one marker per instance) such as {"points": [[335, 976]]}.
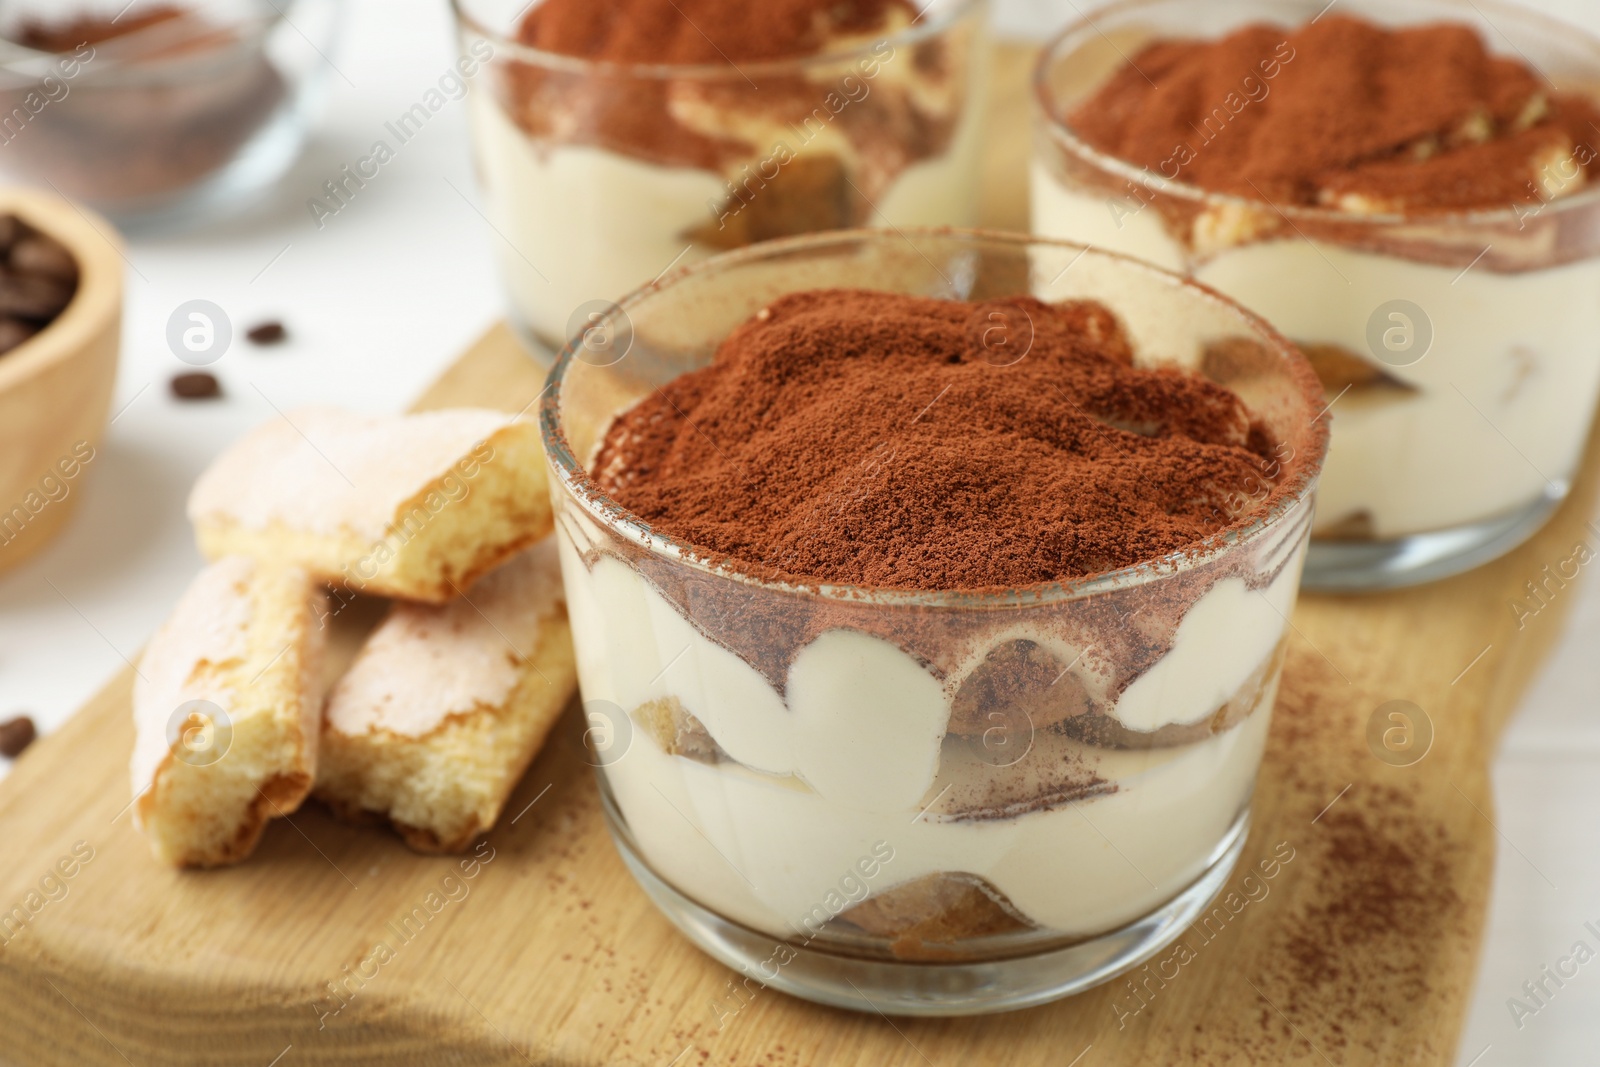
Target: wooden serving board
{"points": [[1359, 950]]}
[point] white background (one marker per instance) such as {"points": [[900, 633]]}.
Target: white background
{"points": [[384, 296]]}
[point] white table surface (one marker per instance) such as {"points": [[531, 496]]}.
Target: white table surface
{"points": [[392, 288]]}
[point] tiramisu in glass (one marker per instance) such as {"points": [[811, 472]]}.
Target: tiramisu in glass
{"points": [[616, 139], [1407, 190], [929, 593]]}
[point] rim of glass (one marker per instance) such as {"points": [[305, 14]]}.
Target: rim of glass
{"points": [[1084, 28], [955, 10], [575, 480]]}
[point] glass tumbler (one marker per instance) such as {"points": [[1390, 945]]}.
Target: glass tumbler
{"points": [[600, 176], [929, 802], [1478, 332]]}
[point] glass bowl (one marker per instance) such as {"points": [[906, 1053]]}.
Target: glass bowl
{"points": [[154, 113], [923, 802]]}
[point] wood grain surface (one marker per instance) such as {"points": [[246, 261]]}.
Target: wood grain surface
{"points": [[1359, 950]]}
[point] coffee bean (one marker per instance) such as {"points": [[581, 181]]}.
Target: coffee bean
{"points": [[38, 278], [13, 332], [196, 385], [40, 255], [32, 296], [15, 735], [267, 333]]}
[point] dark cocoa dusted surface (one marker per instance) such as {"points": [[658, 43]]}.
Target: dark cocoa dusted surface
{"points": [[701, 31], [786, 188], [1418, 119], [86, 28], [881, 440]]}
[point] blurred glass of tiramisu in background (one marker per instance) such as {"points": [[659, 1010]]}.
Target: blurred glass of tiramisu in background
{"points": [[619, 139], [1407, 191]]}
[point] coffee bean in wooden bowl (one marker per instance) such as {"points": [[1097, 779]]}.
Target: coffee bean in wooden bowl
{"points": [[37, 279], [60, 331]]}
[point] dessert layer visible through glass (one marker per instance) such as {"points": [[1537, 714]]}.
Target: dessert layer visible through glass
{"points": [[1459, 349], [601, 176], [1030, 788]]}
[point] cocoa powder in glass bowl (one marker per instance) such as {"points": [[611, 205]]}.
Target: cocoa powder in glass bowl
{"points": [[139, 111]]}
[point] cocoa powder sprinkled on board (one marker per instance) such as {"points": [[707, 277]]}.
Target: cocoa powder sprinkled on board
{"points": [[1378, 919]]}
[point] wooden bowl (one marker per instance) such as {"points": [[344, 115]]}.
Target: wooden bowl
{"points": [[55, 387]]}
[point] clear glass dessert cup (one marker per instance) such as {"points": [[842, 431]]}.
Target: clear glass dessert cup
{"points": [[1479, 331], [599, 177], [929, 803], [169, 123]]}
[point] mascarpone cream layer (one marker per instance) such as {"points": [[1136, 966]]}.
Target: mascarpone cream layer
{"points": [[1503, 399], [849, 754], [766, 851]]}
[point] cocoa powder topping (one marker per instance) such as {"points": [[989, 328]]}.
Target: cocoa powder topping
{"points": [[700, 31], [1347, 114], [734, 119], [90, 29], [891, 441]]}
